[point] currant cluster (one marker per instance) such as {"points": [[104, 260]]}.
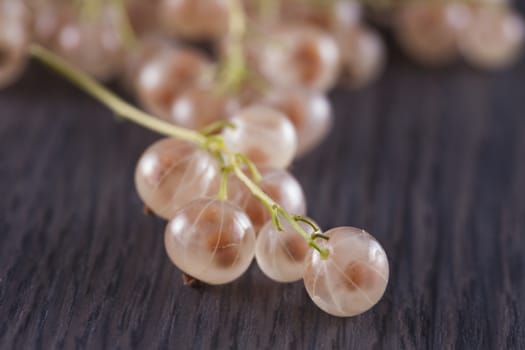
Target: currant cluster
{"points": [[218, 224], [238, 114], [239, 122], [276, 111]]}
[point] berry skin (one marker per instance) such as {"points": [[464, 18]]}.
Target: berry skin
{"points": [[264, 135], [172, 173], [201, 105], [280, 254], [194, 19], [14, 39], [143, 15], [166, 75], [428, 32], [48, 19], [493, 38], [211, 240], [354, 276], [279, 184], [325, 16], [95, 47], [310, 113], [146, 49], [363, 55], [300, 57]]}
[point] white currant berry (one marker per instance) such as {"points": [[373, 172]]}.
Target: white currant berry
{"points": [[172, 173], [363, 55], [166, 75], [428, 32], [210, 240], [279, 184], [146, 49], [327, 16], [14, 39], [95, 47], [48, 18], [201, 105], [310, 113], [280, 254], [143, 15], [264, 135], [194, 19], [494, 37], [354, 276], [299, 56]]}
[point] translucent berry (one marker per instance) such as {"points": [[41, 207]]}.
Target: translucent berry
{"points": [[194, 19], [346, 14], [280, 254], [279, 184], [428, 31], [251, 49], [163, 77], [172, 173], [363, 55], [146, 49], [94, 46], [493, 38], [201, 105], [263, 134], [354, 276], [48, 18], [143, 15], [14, 39], [310, 12], [310, 113], [327, 16], [300, 57], [211, 240]]}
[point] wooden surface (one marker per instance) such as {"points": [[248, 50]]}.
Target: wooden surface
{"points": [[431, 162]]}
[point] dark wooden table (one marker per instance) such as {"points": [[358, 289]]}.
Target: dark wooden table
{"points": [[431, 162]]}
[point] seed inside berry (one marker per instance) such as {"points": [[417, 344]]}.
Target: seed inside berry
{"points": [[224, 249], [296, 247], [281, 254], [359, 275]]}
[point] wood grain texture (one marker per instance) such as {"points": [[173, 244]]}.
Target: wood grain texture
{"points": [[431, 162]]}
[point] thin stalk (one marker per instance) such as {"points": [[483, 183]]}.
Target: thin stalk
{"points": [[223, 192], [277, 209], [117, 105], [234, 71], [126, 30]]}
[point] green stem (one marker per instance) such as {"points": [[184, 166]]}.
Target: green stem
{"points": [[256, 191], [223, 192], [126, 30], [114, 103], [234, 70], [216, 127], [308, 221], [237, 24], [256, 175], [277, 210]]}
